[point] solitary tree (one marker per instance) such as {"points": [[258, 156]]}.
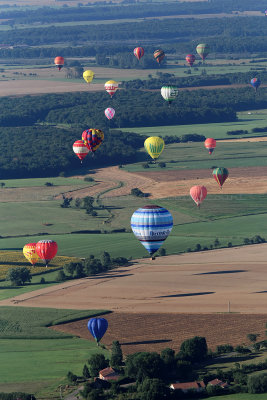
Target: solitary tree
{"points": [[194, 349], [97, 362], [116, 354], [252, 337]]}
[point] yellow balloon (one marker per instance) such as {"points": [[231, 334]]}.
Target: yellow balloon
{"points": [[154, 145], [29, 252], [88, 76]]}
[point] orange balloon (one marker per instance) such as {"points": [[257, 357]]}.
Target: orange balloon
{"points": [[198, 194], [210, 144], [59, 61]]}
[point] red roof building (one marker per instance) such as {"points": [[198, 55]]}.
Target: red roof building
{"points": [[185, 386], [217, 382], [108, 374]]}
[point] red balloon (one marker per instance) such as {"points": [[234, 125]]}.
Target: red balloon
{"points": [[46, 250], [190, 59], [198, 194], [210, 144], [80, 149]]}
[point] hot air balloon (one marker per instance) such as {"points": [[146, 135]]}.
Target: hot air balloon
{"points": [[109, 113], [169, 93], [265, 12], [139, 52], [80, 149], [46, 250], [220, 175], [29, 251], [92, 138], [198, 194], [151, 225], [154, 145], [190, 59], [203, 50], [97, 328], [88, 76], [210, 144], [111, 87], [59, 61], [255, 82], [159, 55]]}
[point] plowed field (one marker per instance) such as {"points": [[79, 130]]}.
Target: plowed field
{"points": [[154, 332]]}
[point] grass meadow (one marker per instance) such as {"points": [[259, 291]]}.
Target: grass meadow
{"points": [[32, 354], [183, 156], [230, 218], [257, 119]]}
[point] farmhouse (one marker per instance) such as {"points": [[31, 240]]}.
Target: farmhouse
{"points": [[185, 386], [108, 374], [218, 382]]}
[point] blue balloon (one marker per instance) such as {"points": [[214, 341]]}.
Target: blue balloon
{"points": [[97, 327], [151, 225], [255, 82]]}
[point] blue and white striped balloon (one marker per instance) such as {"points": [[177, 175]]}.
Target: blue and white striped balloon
{"points": [[151, 225]]}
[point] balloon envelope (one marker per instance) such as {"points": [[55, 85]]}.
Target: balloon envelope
{"points": [[203, 50], [97, 327], [169, 93], [220, 175], [80, 149], [46, 250], [109, 113], [59, 61], [151, 225], [92, 138], [159, 55], [88, 76], [190, 59], [111, 87], [154, 145], [255, 82], [139, 52], [198, 194], [29, 251], [210, 144]]}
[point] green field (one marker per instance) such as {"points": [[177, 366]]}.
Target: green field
{"points": [[36, 356], [184, 156], [230, 218], [240, 396], [257, 119]]}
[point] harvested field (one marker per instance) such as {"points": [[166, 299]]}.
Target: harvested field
{"points": [[250, 180], [154, 332], [202, 282]]}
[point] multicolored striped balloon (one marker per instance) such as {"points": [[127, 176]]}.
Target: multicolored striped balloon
{"points": [[151, 225], [92, 138], [80, 149], [203, 50], [109, 113], [111, 87], [159, 55], [139, 52], [169, 93], [220, 175], [154, 145]]}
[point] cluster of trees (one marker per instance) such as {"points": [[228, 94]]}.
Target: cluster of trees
{"points": [[194, 81], [18, 276], [90, 266], [47, 151]]}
